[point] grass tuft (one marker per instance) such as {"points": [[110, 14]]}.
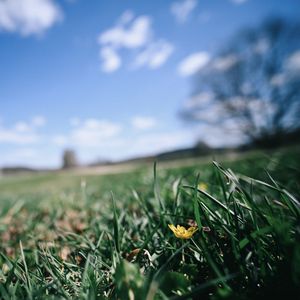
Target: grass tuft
{"points": [[81, 241]]}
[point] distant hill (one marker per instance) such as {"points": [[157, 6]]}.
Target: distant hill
{"points": [[201, 149], [16, 170]]}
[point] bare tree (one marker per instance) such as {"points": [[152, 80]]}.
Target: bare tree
{"points": [[69, 159], [252, 87]]}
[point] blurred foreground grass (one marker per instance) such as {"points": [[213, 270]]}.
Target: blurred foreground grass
{"points": [[95, 237]]}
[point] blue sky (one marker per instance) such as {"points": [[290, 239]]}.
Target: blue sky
{"points": [[108, 78]]}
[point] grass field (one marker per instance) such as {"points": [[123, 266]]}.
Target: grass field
{"points": [[69, 236]]}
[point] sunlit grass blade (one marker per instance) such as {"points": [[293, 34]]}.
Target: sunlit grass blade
{"points": [[156, 188], [196, 291], [115, 224]]}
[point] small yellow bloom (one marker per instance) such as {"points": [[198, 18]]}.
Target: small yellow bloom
{"points": [[182, 233], [202, 186]]}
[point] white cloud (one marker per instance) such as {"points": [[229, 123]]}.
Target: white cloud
{"points": [[23, 153], [200, 100], [88, 133], [221, 113], [28, 16], [22, 132], [155, 55], [210, 114], [124, 35], [111, 61], [38, 121], [225, 63], [32, 157], [19, 134], [162, 141], [220, 136], [93, 132], [290, 72], [217, 126], [22, 127], [126, 17], [139, 144], [293, 62], [94, 138], [247, 87], [278, 80], [239, 1], [143, 123], [60, 140], [133, 34], [193, 63], [261, 46], [182, 9]]}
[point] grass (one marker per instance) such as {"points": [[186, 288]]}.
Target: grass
{"points": [[98, 237]]}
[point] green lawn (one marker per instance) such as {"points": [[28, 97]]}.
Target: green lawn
{"points": [[66, 236]]}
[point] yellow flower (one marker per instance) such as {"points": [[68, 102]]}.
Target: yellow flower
{"points": [[182, 233], [202, 186]]}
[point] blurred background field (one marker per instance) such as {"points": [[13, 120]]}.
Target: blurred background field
{"points": [[283, 163], [81, 234]]}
